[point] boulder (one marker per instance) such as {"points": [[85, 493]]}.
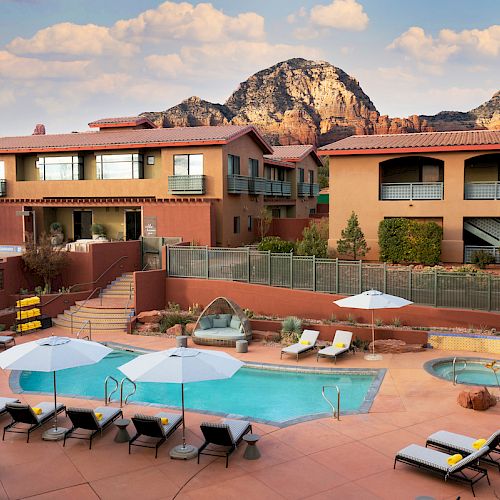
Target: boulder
{"points": [[395, 346], [148, 329], [175, 330], [476, 398], [149, 317], [189, 328]]}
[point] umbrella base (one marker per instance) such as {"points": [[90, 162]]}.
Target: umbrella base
{"points": [[184, 452], [54, 434], [373, 357]]}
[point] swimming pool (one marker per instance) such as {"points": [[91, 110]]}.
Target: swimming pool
{"points": [[468, 370], [259, 392]]}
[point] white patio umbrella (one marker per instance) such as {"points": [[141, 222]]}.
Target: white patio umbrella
{"points": [[52, 354], [181, 365], [373, 299]]}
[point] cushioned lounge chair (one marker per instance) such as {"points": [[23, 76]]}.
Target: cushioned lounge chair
{"points": [[151, 427], [458, 443], [23, 415], [466, 470], [7, 339], [4, 401], [332, 351], [85, 419], [306, 343], [221, 439]]}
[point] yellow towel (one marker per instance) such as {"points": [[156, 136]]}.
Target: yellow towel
{"points": [[98, 415], [36, 410], [479, 443], [453, 459], [339, 344], [164, 420], [305, 342]]}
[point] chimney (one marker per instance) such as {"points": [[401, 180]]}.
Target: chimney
{"points": [[39, 129]]}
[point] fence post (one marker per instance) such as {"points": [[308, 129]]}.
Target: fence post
{"points": [[489, 292], [337, 275], [207, 272], [435, 288], [385, 277], [410, 283], [167, 258], [291, 269], [248, 265], [269, 274], [314, 272], [360, 276]]}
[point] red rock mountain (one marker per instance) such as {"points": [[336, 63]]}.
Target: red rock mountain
{"points": [[314, 102]]}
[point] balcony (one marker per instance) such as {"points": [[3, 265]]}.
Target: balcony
{"points": [[3, 187], [237, 184], [411, 191], [278, 188], [482, 191], [305, 189], [186, 184], [256, 185], [469, 250]]}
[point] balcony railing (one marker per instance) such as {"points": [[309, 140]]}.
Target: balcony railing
{"points": [[3, 187], [237, 184], [411, 191], [278, 188], [186, 184], [482, 190], [305, 189], [256, 185], [469, 250]]}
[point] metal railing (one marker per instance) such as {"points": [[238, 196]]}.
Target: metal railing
{"points": [[186, 184], [237, 184], [278, 188], [336, 412], [411, 191], [130, 394], [305, 189], [89, 336], [256, 185], [72, 313], [470, 249], [107, 397], [3, 187], [335, 276], [482, 190], [455, 373]]}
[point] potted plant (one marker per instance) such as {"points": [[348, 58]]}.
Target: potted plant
{"points": [[98, 231], [56, 233]]}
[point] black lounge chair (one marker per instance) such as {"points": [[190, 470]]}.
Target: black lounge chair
{"points": [[225, 436], [23, 414], [5, 401], [465, 471], [458, 443], [151, 427], [85, 418]]}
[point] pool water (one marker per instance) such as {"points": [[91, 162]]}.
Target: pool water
{"points": [[266, 395], [475, 373]]}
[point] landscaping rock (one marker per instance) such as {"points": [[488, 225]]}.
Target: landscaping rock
{"points": [[476, 398], [189, 328], [148, 328], [395, 346], [175, 330], [149, 317]]}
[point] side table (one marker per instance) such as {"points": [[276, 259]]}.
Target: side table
{"points": [[251, 452], [122, 435]]}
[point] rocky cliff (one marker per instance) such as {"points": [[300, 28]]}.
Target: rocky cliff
{"points": [[313, 102]]}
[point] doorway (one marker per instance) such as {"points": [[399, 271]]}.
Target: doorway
{"points": [[133, 228], [82, 222]]}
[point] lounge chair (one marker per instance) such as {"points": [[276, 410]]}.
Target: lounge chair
{"points": [[332, 351], [24, 414], [7, 339], [225, 436], [306, 343], [151, 426], [85, 418], [4, 401], [458, 443], [466, 470]]}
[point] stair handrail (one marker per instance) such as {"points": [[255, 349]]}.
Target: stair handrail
{"points": [[107, 399], [336, 413], [455, 374], [122, 382], [72, 313], [89, 336]]}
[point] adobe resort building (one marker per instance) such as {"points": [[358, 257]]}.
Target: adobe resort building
{"points": [[205, 185], [452, 178]]}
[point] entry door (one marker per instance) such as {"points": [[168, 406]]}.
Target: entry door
{"points": [[132, 225], [82, 222]]}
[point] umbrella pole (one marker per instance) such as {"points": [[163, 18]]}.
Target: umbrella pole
{"points": [[183, 451], [183, 422], [373, 334], [55, 433], [55, 401]]}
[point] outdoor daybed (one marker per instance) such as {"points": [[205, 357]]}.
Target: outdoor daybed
{"points": [[222, 323]]}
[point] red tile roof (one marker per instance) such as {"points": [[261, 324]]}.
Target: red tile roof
{"points": [[128, 138], [426, 141], [122, 121], [293, 153]]}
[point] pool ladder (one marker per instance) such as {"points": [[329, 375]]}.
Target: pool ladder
{"points": [[336, 412], [118, 385], [455, 373]]}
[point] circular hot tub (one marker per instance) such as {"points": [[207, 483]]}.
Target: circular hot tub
{"points": [[468, 370]]}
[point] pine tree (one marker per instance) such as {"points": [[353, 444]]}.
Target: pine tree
{"points": [[314, 240], [352, 241]]}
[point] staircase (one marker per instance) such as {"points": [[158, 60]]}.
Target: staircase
{"points": [[486, 228], [109, 314]]}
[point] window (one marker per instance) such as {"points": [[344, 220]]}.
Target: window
{"points": [[233, 165], [311, 176], [127, 166], [60, 168], [250, 223], [253, 167], [236, 225], [312, 211], [276, 213], [1, 279], [188, 164], [151, 160], [2, 170], [301, 175]]}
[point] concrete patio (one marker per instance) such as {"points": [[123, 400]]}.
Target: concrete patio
{"points": [[325, 458]]}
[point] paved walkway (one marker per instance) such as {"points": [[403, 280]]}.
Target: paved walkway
{"points": [[321, 459]]}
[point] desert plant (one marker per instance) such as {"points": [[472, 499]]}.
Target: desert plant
{"points": [[275, 244], [378, 322], [333, 318], [352, 239], [481, 258], [174, 307], [172, 318], [314, 240], [55, 228], [249, 313], [291, 328], [23, 291], [2, 327], [396, 322], [351, 319], [98, 229], [195, 309], [264, 223]]}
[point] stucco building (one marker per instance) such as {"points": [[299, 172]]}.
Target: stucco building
{"points": [[452, 178]]}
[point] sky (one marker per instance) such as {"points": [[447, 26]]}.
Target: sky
{"points": [[65, 63]]}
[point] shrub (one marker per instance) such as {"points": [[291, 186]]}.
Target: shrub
{"points": [[352, 239], [378, 322], [481, 258], [98, 229], [173, 318], [291, 328], [173, 307], [55, 228], [275, 244], [396, 322], [351, 319], [2, 327], [314, 240]]}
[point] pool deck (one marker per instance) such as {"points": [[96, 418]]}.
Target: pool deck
{"points": [[319, 459]]}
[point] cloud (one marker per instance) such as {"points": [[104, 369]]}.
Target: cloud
{"points": [[71, 39], [399, 74], [7, 97], [486, 42], [168, 65], [184, 21], [340, 14]]}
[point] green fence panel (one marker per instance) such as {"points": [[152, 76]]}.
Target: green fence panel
{"points": [[348, 278], [372, 277], [187, 262], [495, 294], [280, 269], [423, 288], [325, 275], [399, 281], [303, 273], [259, 267], [460, 290], [228, 264]]}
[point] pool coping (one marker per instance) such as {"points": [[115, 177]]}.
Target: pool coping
{"points": [[371, 393], [429, 365]]}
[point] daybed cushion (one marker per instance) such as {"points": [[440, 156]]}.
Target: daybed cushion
{"points": [[220, 323], [227, 317], [235, 323], [219, 334], [205, 323]]}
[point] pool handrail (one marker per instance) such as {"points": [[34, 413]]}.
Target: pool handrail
{"points": [[455, 374], [107, 399], [122, 382], [89, 336], [336, 413]]}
